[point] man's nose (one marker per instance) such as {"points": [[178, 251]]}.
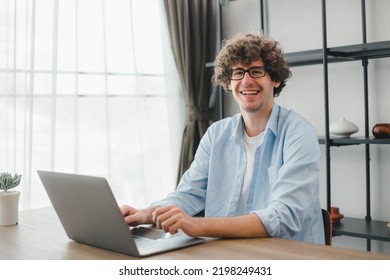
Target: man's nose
{"points": [[247, 77]]}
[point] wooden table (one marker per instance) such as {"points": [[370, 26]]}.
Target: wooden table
{"points": [[40, 236]]}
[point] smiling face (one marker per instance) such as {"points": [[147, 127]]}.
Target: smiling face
{"points": [[253, 95]]}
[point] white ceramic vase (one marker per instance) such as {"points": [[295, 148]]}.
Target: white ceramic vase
{"points": [[9, 208], [343, 128]]}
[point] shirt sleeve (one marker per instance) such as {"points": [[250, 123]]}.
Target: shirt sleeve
{"points": [[294, 193]]}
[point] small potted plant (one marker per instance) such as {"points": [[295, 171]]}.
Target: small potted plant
{"points": [[9, 200]]}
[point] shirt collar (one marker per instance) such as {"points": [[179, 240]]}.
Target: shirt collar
{"points": [[272, 124], [273, 119]]}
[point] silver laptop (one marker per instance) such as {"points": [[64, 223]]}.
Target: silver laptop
{"points": [[90, 214]]}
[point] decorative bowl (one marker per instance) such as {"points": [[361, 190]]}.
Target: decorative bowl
{"points": [[342, 128], [381, 130]]}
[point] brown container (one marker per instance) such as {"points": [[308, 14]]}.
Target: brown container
{"points": [[381, 130], [335, 215]]}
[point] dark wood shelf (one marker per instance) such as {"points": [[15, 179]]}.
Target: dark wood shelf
{"points": [[359, 51], [358, 140], [339, 54], [375, 230], [311, 57]]}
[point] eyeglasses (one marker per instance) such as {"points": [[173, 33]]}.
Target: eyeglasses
{"points": [[254, 72]]}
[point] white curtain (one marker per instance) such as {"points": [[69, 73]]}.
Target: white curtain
{"points": [[84, 88]]}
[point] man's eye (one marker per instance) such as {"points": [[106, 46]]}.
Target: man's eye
{"points": [[257, 72], [237, 73]]}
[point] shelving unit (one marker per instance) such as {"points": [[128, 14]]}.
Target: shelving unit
{"points": [[362, 228]]}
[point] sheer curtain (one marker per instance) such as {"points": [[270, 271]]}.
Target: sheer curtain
{"points": [[84, 88]]}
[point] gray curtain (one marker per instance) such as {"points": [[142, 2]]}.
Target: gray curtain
{"points": [[192, 26]]}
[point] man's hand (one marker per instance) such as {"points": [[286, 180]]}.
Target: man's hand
{"points": [[171, 219], [134, 217]]}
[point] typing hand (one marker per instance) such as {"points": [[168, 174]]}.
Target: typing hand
{"points": [[134, 217], [172, 219]]}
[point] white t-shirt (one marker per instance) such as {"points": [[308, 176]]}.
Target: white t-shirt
{"points": [[251, 144]]}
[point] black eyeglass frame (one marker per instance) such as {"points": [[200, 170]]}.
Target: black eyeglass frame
{"points": [[267, 68]]}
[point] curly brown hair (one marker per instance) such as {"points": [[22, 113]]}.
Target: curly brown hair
{"points": [[246, 48]]}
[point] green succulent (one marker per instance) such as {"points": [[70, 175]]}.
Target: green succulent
{"points": [[9, 181]]}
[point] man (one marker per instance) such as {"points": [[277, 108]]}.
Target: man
{"points": [[255, 174]]}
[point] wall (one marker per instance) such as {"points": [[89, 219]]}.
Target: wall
{"points": [[297, 26]]}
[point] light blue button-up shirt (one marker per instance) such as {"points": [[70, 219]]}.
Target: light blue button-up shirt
{"points": [[284, 192]]}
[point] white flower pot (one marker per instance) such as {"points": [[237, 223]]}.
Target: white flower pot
{"points": [[9, 208]]}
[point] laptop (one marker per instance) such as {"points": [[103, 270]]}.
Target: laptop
{"points": [[90, 214]]}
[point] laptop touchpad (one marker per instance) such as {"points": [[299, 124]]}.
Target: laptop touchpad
{"points": [[149, 233]]}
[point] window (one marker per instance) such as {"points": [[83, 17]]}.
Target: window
{"points": [[83, 89]]}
